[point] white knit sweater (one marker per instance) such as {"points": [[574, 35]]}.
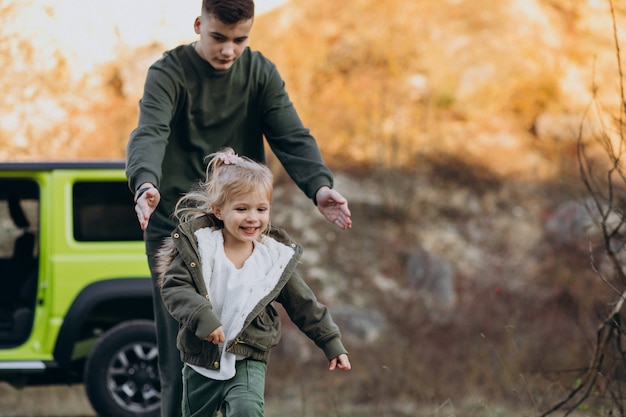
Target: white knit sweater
{"points": [[233, 292]]}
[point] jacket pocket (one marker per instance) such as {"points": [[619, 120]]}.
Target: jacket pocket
{"points": [[188, 342], [263, 333], [210, 357]]}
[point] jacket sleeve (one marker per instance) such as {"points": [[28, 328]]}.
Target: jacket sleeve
{"points": [[311, 316], [182, 299]]}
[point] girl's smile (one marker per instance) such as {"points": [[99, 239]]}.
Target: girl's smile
{"points": [[245, 218]]}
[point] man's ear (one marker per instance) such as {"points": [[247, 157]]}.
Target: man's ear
{"points": [[196, 25]]}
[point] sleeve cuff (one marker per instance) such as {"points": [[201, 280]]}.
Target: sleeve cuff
{"points": [[334, 348]]}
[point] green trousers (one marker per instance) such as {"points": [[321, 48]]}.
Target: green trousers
{"points": [[170, 365], [240, 396]]}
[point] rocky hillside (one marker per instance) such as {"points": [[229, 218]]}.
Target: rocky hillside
{"points": [[449, 281], [452, 126]]}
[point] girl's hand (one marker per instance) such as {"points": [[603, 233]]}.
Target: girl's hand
{"points": [[217, 336], [340, 362]]}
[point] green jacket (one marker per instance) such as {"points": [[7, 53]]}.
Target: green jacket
{"points": [[190, 110], [186, 297]]}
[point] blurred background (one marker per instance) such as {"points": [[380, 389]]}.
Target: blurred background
{"points": [[453, 127]]}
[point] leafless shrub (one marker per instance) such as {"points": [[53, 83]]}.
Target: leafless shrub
{"points": [[604, 176]]}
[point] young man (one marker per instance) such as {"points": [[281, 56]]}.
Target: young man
{"points": [[198, 99]]}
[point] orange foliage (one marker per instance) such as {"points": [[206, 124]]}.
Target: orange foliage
{"points": [[377, 82]]}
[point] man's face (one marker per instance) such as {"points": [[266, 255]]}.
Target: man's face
{"points": [[221, 44]]}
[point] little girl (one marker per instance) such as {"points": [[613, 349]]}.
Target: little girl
{"points": [[221, 270]]}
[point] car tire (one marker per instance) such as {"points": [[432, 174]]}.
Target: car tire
{"points": [[121, 373]]}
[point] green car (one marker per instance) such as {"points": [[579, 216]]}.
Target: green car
{"points": [[75, 289]]}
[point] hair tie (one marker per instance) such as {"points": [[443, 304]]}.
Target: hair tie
{"points": [[230, 158]]}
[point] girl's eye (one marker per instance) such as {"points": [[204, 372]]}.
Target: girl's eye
{"points": [[240, 209]]}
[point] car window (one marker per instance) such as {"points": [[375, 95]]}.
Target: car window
{"points": [[24, 195], [8, 231], [104, 211]]}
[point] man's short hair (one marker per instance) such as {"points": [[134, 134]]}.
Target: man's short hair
{"points": [[229, 11]]}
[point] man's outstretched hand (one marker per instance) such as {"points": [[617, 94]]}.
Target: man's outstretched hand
{"points": [[334, 207], [145, 205]]}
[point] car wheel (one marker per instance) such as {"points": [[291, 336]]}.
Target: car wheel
{"points": [[121, 373]]}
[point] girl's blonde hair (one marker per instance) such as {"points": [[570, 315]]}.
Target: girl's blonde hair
{"points": [[228, 175]]}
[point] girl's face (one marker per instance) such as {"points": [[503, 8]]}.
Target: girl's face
{"points": [[245, 217]]}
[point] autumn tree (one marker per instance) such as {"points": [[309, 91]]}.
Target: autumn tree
{"points": [[47, 110], [602, 168]]}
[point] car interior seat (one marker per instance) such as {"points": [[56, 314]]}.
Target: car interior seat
{"points": [[17, 305]]}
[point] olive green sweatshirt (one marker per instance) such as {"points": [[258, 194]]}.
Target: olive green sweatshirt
{"points": [[190, 110]]}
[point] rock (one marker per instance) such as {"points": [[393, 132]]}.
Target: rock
{"points": [[433, 277], [359, 325]]}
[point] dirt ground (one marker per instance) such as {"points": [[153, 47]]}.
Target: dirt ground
{"points": [[52, 401]]}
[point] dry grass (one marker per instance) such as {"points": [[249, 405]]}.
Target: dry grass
{"points": [[70, 401]]}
